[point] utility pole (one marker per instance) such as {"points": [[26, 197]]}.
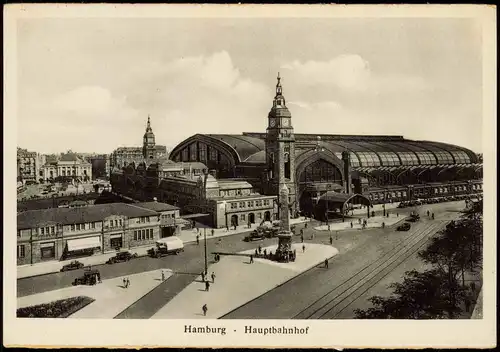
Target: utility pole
{"points": [[205, 243]]}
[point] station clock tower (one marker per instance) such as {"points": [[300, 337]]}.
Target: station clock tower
{"points": [[280, 150]]}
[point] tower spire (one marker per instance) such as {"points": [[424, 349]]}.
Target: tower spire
{"points": [[148, 127], [278, 85]]}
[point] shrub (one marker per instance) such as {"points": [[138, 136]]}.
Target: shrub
{"points": [[62, 308]]}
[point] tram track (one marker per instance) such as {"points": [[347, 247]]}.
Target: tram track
{"points": [[336, 300]]}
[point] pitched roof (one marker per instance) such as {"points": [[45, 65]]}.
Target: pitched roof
{"points": [[156, 206], [65, 216]]}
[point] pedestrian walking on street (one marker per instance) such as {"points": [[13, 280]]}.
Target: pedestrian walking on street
{"points": [[251, 258], [197, 240], [303, 248], [397, 214], [359, 221], [128, 282], [207, 286], [162, 276], [302, 238], [351, 225], [331, 240], [204, 309], [326, 263], [213, 277], [213, 232], [260, 249], [203, 276], [124, 283], [305, 225], [383, 225], [387, 214], [256, 252], [265, 252], [432, 216], [328, 227], [428, 213]]}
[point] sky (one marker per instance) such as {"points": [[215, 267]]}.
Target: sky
{"points": [[89, 84]]}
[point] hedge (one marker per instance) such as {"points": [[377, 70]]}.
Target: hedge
{"points": [[62, 308]]}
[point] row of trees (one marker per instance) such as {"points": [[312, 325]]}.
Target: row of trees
{"points": [[439, 292]]}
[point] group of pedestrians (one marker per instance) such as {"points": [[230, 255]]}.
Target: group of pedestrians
{"points": [[204, 308], [126, 282]]}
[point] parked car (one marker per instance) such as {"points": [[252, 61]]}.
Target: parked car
{"points": [[90, 277], [404, 227], [74, 265], [165, 246], [121, 257]]}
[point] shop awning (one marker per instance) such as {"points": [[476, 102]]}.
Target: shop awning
{"points": [[84, 243]]}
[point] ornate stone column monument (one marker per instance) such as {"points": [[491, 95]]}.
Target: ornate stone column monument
{"points": [[284, 252]]}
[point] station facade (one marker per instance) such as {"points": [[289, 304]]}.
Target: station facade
{"points": [[379, 169]]}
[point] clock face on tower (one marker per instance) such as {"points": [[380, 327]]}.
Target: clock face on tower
{"points": [[272, 122], [285, 122]]}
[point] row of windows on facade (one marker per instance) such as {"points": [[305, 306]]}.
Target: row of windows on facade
{"points": [[422, 191], [50, 230], [141, 235], [243, 216], [250, 204]]}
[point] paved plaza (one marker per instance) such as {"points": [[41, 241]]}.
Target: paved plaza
{"points": [[111, 298], [238, 282]]}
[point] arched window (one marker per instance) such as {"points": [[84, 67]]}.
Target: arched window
{"points": [[321, 171], [287, 165]]}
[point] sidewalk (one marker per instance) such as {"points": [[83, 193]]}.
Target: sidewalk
{"points": [[111, 298], [238, 282], [373, 222], [187, 236]]}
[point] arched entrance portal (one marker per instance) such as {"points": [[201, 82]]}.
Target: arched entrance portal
{"points": [[251, 218], [317, 178], [339, 203], [234, 220], [267, 216]]}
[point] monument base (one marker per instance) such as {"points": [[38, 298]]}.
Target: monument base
{"points": [[284, 252]]}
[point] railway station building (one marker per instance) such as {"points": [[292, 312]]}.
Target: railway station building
{"points": [[377, 169]]}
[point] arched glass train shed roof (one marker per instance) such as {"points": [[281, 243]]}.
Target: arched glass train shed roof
{"points": [[364, 151]]}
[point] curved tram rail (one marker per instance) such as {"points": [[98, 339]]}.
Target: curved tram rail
{"points": [[335, 301]]}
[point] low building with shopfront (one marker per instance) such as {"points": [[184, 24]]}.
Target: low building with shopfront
{"points": [[63, 233]]}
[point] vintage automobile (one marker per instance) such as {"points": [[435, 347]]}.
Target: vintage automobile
{"points": [[414, 217], [404, 227], [121, 257], [74, 265], [165, 246], [255, 235], [90, 277]]}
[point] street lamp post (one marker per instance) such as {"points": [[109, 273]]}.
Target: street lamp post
{"points": [[205, 243]]}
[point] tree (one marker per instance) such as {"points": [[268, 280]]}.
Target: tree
{"points": [[421, 295]]}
